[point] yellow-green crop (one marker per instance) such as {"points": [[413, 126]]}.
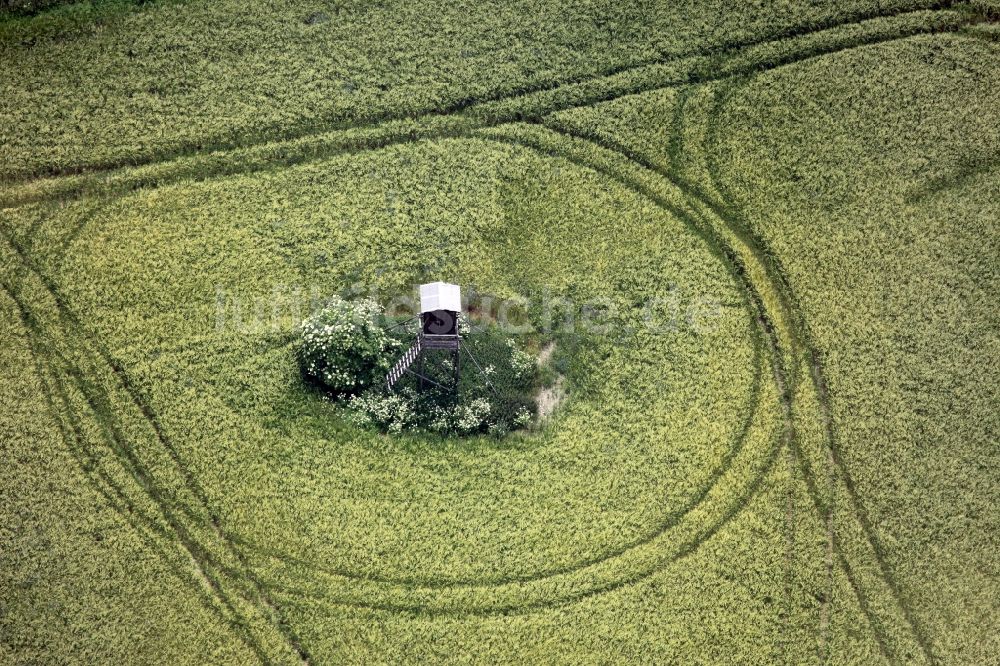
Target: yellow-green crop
{"points": [[780, 447]]}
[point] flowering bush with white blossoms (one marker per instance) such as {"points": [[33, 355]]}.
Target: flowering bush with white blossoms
{"points": [[345, 348], [521, 362], [409, 410], [393, 412]]}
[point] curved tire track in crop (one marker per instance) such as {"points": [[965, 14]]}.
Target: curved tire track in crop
{"points": [[330, 143], [826, 508], [766, 327], [686, 548], [723, 211], [674, 170], [174, 520], [119, 443], [51, 365], [157, 537], [837, 468], [479, 106], [71, 429]]}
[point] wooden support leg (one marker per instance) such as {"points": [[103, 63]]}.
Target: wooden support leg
{"points": [[420, 370]]}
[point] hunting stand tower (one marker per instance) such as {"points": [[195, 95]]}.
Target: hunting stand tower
{"points": [[440, 305]]}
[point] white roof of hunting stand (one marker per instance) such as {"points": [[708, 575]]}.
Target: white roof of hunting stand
{"points": [[440, 296]]}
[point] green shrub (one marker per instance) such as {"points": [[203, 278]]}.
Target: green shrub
{"points": [[344, 347]]}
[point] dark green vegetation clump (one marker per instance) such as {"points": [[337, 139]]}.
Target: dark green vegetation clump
{"points": [[30, 7], [487, 386], [781, 450], [488, 389]]}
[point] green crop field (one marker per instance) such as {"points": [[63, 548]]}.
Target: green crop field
{"points": [[801, 466]]}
